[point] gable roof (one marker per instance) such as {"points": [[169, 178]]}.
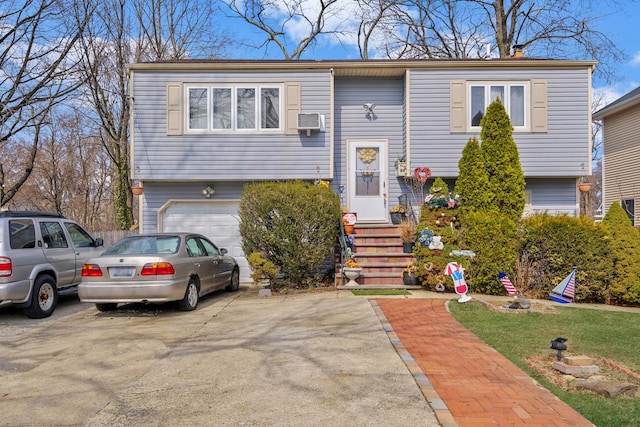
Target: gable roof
{"points": [[625, 101]]}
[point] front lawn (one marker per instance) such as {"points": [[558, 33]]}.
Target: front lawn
{"points": [[590, 332]]}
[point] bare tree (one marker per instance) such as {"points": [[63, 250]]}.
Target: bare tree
{"points": [[71, 173], [125, 31], [177, 29], [563, 29], [375, 15], [435, 29], [37, 42], [278, 18]]}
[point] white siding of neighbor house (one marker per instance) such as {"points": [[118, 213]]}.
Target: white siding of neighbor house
{"points": [[559, 152], [621, 158], [227, 156]]}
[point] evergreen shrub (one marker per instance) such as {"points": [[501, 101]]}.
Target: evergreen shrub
{"points": [[624, 242], [493, 237], [292, 224]]}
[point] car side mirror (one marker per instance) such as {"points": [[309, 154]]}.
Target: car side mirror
{"points": [[223, 251], [99, 242]]}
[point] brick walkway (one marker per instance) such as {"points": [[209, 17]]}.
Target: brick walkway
{"points": [[466, 382]]}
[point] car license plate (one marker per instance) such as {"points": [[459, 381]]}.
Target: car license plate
{"points": [[121, 271]]}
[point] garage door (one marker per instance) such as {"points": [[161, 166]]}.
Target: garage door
{"points": [[218, 220]]}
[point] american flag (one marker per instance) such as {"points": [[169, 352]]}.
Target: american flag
{"points": [[511, 290]]}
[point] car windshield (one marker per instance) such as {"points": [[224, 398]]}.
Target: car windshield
{"points": [[145, 245]]}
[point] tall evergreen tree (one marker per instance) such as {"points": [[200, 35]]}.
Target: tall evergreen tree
{"points": [[502, 161], [472, 184]]}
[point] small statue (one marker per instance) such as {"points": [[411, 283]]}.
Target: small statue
{"points": [[436, 243]]}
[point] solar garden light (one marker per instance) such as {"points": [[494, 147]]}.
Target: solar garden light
{"points": [[559, 344]]}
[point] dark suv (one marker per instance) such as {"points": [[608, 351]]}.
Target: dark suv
{"points": [[41, 257]]}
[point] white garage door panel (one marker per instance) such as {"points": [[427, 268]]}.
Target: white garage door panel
{"points": [[216, 220]]}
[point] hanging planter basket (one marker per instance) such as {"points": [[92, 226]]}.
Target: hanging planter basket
{"points": [[137, 190], [584, 187]]}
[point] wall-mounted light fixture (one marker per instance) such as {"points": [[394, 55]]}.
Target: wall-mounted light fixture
{"points": [[208, 191], [368, 107]]}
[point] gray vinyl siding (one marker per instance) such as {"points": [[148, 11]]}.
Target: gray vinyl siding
{"points": [[553, 196], [227, 156], [559, 152], [622, 158], [351, 121], [157, 194]]}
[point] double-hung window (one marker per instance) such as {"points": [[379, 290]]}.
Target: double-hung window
{"points": [[235, 108], [512, 95]]}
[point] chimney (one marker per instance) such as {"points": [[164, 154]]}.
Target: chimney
{"points": [[517, 50]]}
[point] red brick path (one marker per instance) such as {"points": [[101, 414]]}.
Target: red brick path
{"points": [[478, 386]]}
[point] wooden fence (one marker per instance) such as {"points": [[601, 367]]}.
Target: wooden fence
{"points": [[110, 237]]}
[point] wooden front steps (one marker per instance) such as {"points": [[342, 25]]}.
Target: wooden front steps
{"points": [[378, 250]]}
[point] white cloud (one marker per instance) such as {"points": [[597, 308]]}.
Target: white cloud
{"points": [[636, 59]]}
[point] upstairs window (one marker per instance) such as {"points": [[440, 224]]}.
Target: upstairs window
{"points": [[234, 108], [512, 96]]}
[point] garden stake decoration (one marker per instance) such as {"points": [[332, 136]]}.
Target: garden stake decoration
{"points": [[459, 284]]}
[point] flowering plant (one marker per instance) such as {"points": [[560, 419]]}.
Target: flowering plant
{"points": [[397, 209], [448, 201], [351, 263], [411, 268]]}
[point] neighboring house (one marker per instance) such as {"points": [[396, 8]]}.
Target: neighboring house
{"points": [[201, 130], [621, 153]]}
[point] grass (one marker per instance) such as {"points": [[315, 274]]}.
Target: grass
{"points": [[380, 292], [595, 333]]}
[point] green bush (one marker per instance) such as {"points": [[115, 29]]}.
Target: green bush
{"points": [[293, 224], [624, 242], [551, 245], [494, 239]]}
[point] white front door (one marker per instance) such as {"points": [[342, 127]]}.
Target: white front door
{"points": [[367, 181]]}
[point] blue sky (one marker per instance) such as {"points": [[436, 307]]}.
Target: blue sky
{"points": [[623, 27], [620, 22]]}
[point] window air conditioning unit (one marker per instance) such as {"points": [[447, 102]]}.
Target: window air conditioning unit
{"points": [[308, 122]]}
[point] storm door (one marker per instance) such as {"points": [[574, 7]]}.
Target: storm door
{"points": [[367, 182]]}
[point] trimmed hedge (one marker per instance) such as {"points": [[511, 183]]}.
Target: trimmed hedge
{"points": [[551, 245]]}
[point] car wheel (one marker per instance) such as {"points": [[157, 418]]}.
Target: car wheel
{"points": [[107, 306], [43, 298], [190, 300], [234, 282]]}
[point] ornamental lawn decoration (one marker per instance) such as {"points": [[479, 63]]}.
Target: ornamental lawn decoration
{"points": [[459, 284]]}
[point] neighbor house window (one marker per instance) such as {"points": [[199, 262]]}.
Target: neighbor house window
{"points": [[235, 108], [629, 207], [512, 96]]}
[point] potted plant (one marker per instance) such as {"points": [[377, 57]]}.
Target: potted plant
{"points": [[351, 270], [348, 226], [408, 235], [398, 214], [409, 274]]}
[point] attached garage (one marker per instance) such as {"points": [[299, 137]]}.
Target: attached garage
{"points": [[218, 220]]}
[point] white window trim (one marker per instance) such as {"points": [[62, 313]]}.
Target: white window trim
{"points": [[487, 99], [234, 106]]}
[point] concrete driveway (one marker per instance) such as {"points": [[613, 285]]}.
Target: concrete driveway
{"points": [[309, 359]]}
